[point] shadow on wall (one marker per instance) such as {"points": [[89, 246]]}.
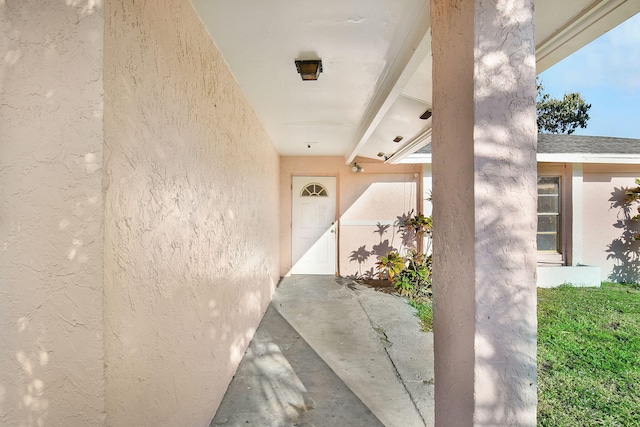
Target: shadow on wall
{"points": [[366, 202], [189, 269], [407, 239], [625, 250], [50, 198], [505, 296], [485, 303]]}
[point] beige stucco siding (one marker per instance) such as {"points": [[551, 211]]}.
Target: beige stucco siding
{"points": [[604, 242], [191, 217], [484, 168], [378, 195], [51, 340]]}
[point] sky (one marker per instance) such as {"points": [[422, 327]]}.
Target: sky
{"points": [[606, 73]]}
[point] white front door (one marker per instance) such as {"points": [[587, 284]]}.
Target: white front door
{"points": [[313, 228]]}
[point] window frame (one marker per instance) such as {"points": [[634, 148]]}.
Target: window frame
{"points": [[306, 192], [559, 214], [563, 254]]}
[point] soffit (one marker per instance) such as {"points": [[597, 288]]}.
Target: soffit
{"points": [[377, 65]]}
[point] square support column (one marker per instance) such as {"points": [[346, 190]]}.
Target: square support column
{"points": [[577, 209], [484, 192]]}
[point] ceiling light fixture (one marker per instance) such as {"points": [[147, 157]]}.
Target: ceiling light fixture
{"points": [[357, 168], [397, 139], [426, 114], [309, 70]]}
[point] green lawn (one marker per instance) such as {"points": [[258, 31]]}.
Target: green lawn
{"points": [[589, 356], [424, 313]]}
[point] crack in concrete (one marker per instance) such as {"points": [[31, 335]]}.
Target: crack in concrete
{"points": [[381, 332]]}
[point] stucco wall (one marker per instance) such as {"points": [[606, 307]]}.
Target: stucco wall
{"points": [[378, 195], [605, 243], [51, 348], [484, 189], [191, 217]]}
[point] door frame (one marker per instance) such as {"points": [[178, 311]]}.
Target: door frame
{"points": [[336, 214]]}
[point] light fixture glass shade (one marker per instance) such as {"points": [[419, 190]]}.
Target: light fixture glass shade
{"points": [[309, 70]]}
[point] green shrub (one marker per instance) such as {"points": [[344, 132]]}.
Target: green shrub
{"points": [[414, 281], [390, 264], [411, 275]]}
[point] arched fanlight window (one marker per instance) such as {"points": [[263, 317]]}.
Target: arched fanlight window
{"points": [[314, 190]]}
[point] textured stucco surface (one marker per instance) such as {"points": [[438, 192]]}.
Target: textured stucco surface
{"points": [[368, 224], [484, 177], [191, 217], [606, 234], [377, 195], [51, 358]]}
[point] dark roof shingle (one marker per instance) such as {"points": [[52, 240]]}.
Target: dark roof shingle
{"points": [[560, 143]]}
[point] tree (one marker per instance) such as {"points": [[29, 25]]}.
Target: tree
{"points": [[561, 116]]}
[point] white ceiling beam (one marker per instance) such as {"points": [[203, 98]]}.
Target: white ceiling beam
{"points": [[410, 54], [593, 21], [416, 143]]}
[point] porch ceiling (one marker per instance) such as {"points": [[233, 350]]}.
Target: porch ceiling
{"points": [[376, 57]]}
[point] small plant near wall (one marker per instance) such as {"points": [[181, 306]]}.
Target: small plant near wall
{"points": [[625, 249], [414, 281], [410, 274], [419, 224], [632, 196], [390, 264]]}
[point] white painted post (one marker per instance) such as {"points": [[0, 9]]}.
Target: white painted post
{"points": [[484, 176]]}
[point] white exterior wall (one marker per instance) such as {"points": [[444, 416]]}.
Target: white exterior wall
{"points": [[51, 341], [191, 217]]}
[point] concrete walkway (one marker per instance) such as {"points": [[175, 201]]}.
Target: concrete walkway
{"points": [[330, 352]]}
